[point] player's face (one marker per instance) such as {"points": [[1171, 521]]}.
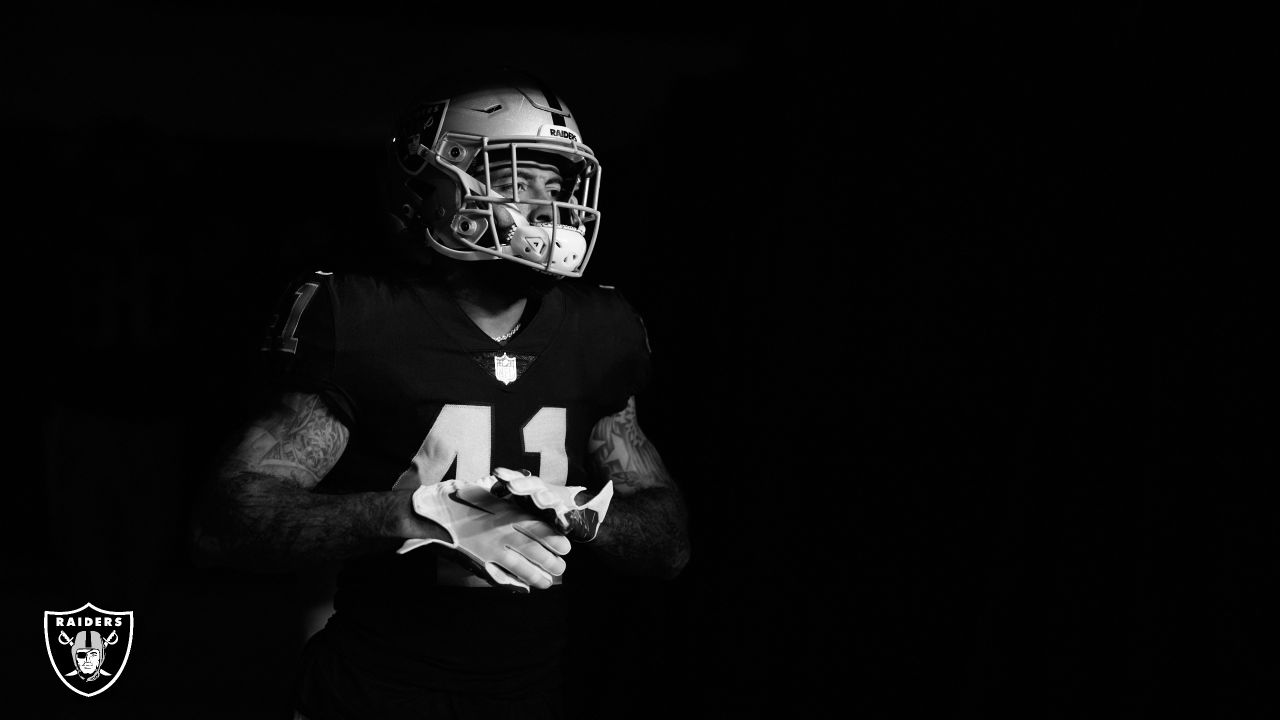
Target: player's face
{"points": [[88, 660], [531, 181]]}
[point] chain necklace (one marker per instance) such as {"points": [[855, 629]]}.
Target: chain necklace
{"points": [[508, 334]]}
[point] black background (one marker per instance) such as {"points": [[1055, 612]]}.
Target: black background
{"points": [[956, 328]]}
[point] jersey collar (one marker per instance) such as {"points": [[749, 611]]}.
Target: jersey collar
{"points": [[534, 336]]}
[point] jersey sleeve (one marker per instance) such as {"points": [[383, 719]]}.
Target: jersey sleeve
{"points": [[628, 340], [641, 373], [301, 344]]}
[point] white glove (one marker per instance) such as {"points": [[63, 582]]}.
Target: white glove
{"points": [[579, 522], [498, 540]]}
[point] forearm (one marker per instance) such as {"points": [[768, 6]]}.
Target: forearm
{"points": [[645, 533], [255, 522]]}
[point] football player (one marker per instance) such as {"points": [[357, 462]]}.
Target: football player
{"points": [[456, 432]]}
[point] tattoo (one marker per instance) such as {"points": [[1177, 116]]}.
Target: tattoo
{"points": [[646, 528], [300, 442], [259, 511], [619, 448], [310, 437]]}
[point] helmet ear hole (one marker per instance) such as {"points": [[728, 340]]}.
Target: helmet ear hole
{"points": [[469, 227], [455, 153]]}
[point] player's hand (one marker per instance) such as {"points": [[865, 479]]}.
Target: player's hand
{"points": [[558, 503], [498, 540]]}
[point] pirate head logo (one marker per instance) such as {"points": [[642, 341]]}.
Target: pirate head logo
{"points": [[88, 647]]}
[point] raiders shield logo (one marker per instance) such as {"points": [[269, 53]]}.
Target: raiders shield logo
{"points": [[88, 647]]}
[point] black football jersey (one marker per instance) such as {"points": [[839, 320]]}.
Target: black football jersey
{"points": [[427, 397]]}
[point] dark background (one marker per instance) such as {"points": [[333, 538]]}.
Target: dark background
{"points": [[956, 327]]}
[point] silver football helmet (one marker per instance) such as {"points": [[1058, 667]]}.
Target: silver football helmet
{"points": [[446, 152]]}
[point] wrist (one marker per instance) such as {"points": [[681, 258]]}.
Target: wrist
{"points": [[402, 523]]}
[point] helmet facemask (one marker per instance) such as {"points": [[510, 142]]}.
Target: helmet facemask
{"points": [[496, 225], [464, 218]]}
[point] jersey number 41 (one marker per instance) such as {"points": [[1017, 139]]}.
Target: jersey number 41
{"points": [[464, 433]]}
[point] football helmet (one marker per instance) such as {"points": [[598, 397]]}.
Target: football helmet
{"points": [[446, 152]]}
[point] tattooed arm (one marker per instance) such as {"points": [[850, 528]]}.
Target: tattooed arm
{"points": [[646, 529], [258, 512]]}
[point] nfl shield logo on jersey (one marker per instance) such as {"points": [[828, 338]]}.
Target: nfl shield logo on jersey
{"points": [[88, 647], [504, 368]]}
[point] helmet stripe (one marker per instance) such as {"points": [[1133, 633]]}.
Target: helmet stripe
{"points": [[553, 102]]}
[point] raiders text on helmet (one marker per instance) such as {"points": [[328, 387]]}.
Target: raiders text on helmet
{"points": [[444, 155]]}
